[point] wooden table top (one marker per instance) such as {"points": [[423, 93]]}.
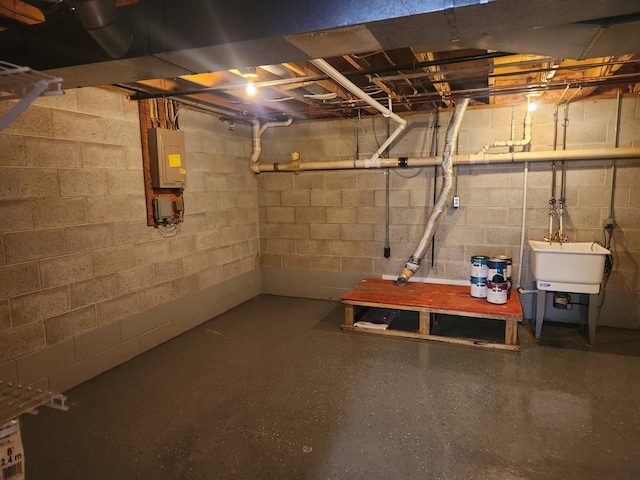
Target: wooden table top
{"points": [[434, 297]]}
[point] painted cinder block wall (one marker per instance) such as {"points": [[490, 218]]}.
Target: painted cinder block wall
{"points": [[85, 284], [323, 231]]}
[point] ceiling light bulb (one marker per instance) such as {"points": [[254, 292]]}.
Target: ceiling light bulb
{"points": [[251, 88]]}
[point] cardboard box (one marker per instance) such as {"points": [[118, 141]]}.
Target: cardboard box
{"points": [[11, 452]]}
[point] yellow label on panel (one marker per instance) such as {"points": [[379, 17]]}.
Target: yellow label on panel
{"points": [[174, 160]]}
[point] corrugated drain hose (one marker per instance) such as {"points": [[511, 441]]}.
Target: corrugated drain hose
{"points": [[443, 200]]}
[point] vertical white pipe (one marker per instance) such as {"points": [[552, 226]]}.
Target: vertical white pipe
{"points": [[525, 183]]}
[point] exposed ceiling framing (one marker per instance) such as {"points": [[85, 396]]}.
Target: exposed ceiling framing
{"points": [[415, 57]]}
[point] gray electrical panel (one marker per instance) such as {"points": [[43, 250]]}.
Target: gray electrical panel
{"points": [[166, 152], [162, 209]]}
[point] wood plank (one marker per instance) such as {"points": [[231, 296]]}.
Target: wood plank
{"points": [[425, 322], [428, 299], [438, 338], [453, 299], [511, 333], [348, 315]]}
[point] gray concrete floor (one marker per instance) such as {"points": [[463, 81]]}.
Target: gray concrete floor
{"points": [[273, 389]]}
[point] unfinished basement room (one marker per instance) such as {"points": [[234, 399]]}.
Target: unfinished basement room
{"points": [[319, 240]]}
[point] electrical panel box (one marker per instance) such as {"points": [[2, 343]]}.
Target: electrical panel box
{"points": [[166, 152]]}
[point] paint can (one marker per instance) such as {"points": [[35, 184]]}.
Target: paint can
{"points": [[509, 261], [497, 292], [478, 287], [479, 266], [497, 270]]}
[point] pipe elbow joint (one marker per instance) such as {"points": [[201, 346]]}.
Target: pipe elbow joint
{"points": [[406, 274]]}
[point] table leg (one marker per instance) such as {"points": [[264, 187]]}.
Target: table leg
{"points": [[594, 299], [348, 315], [425, 323], [540, 305], [511, 332]]}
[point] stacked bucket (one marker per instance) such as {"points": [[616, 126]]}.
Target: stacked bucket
{"points": [[491, 278]]}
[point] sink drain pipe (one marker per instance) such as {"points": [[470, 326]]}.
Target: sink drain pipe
{"points": [[258, 130], [413, 264]]}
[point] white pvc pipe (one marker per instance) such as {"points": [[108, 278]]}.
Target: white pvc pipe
{"points": [[470, 159], [526, 140], [357, 91], [525, 184], [257, 135], [374, 160]]}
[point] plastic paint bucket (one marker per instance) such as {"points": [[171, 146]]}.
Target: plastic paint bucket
{"points": [[479, 266], [497, 292], [478, 287], [497, 270]]}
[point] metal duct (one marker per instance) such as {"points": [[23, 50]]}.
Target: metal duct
{"points": [[443, 198], [103, 22]]}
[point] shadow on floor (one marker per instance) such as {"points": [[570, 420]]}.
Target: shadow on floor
{"points": [[615, 341]]}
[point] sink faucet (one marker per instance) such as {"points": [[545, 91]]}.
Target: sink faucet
{"points": [[558, 237]]}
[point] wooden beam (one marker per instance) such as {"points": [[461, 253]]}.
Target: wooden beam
{"points": [[442, 87], [21, 12]]}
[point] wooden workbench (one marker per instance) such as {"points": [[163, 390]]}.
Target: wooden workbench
{"points": [[429, 299]]}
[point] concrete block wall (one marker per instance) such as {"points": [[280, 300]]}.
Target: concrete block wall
{"points": [[321, 232], [85, 284]]}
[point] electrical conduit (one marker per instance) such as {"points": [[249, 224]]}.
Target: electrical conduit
{"points": [[413, 264]]}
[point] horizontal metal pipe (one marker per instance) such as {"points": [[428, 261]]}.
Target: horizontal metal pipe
{"points": [[474, 158]]}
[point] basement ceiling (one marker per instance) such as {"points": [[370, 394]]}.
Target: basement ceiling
{"points": [[417, 56]]}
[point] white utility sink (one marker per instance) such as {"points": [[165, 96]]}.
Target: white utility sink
{"points": [[575, 267]]}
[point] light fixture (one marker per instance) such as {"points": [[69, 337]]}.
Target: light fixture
{"points": [[531, 104], [250, 74]]}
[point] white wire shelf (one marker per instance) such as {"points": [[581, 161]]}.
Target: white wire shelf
{"points": [[16, 400], [17, 81]]}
